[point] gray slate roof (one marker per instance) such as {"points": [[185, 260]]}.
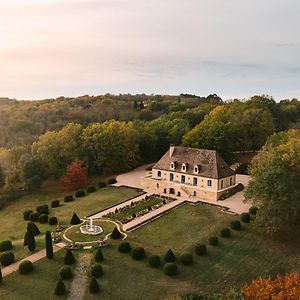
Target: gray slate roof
{"points": [[211, 164]]}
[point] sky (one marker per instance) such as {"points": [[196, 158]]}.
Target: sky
{"points": [[235, 48]]}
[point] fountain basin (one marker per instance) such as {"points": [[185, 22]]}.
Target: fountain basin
{"points": [[91, 230]]}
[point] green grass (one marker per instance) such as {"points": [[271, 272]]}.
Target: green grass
{"points": [[13, 226]]}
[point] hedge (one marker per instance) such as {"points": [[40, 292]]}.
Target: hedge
{"points": [[7, 258], [96, 270], [170, 256], [245, 217], [68, 198], [225, 232], [124, 247], [33, 217], [91, 189], [138, 253], [235, 225], [52, 221], [26, 214], [55, 203], [66, 273], [5, 245], [170, 269], [43, 219], [80, 194], [112, 180], [213, 240], [25, 267], [154, 261], [200, 249], [186, 259]]}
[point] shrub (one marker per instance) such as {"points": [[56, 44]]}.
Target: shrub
{"points": [[69, 198], [25, 267], [75, 219], [253, 210], [99, 255], [66, 273], [154, 261], [94, 286], [186, 259], [43, 219], [225, 232], [101, 184], [33, 228], [26, 214], [96, 270], [235, 225], [200, 249], [25, 239], [138, 253], [7, 258], [213, 240], [52, 221], [60, 288], [170, 256], [5, 245], [80, 194], [30, 241], [43, 209], [116, 234], [242, 169], [33, 217], [49, 245], [91, 189], [124, 247], [55, 203], [170, 269], [112, 180], [69, 258], [245, 217]]}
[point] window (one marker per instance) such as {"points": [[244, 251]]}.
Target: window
{"points": [[208, 182], [195, 181], [159, 173], [230, 181], [172, 166], [194, 194], [157, 186], [171, 177], [222, 184], [196, 169], [182, 179], [183, 168]]}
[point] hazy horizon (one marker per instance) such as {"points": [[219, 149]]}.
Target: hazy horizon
{"points": [[75, 47]]}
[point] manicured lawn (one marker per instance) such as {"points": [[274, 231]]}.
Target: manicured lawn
{"points": [[13, 226]]}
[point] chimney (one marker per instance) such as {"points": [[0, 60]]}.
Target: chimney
{"points": [[172, 148]]}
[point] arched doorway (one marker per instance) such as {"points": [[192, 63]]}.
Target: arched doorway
{"points": [[172, 191]]}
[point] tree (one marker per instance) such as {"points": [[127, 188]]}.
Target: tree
{"points": [[49, 246], [274, 188], [75, 176], [75, 219], [30, 241], [33, 173]]}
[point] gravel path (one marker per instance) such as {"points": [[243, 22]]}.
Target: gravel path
{"points": [[79, 282]]}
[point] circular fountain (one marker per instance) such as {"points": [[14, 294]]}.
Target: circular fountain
{"points": [[90, 228]]}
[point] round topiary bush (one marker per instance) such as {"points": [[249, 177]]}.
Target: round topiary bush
{"points": [[68, 198], [112, 180], [26, 214], [96, 270], [138, 253], [52, 221], [235, 225], [200, 249], [91, 189], [101, 184], [43, 219], [5, 245], [7, 258], [25, 267], [55, 203], [66, 273], [225, 232], [33, 217], [43, 209], [253, 210], [80, 194], [213, 240], [186, 259], [116, 234], [170, 256], [154, 261], [94, 286], [69, 258], [60, 288], [245, 217], [124, 247], [170, 269]]}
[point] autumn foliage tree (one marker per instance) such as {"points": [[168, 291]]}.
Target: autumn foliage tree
{"points": [[75, 176], [281, 288]]}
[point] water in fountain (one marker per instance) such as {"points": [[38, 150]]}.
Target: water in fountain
{"points": [[90, 228]]}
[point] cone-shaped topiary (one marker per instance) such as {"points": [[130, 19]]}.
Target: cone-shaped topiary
{"points": [[170, 269], [99, 255], [30, 241], [75, 219], [60, 288], [49, 246], [33, 228], [69, 258], [170, 256], [94, 286], [124, 247], [96, 270], [66, 273], [154, 261], [116, 234]]}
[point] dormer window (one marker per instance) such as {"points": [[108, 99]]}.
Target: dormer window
{"points": [[196, 169], [172, 165], [184, 167]]}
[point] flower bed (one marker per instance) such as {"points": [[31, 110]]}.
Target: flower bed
{"points": [[139, 208]]}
